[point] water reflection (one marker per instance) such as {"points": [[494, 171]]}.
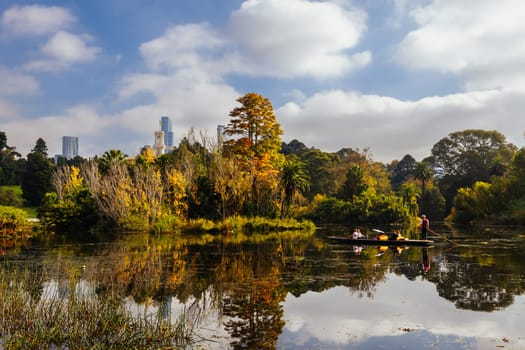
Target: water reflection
{"points": [[296, 291]]}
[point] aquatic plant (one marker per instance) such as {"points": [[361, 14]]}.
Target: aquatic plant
{"points": [[35, 317]]}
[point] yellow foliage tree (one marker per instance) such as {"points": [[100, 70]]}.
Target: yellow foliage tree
{"points": [[255, 143]]}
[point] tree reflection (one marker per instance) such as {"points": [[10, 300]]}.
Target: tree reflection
{"points": [[248, 278]]}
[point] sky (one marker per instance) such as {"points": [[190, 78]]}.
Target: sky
{"points": [[392, 77]]}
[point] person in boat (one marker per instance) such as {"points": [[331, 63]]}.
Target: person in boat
{"points": [[357, 234], [395, 236], [425, 226]]}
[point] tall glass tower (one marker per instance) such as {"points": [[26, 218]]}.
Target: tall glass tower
{"points": [[69, 146], [165, 125]]}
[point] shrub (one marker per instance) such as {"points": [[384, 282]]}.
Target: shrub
{"points": [[13, 221]]}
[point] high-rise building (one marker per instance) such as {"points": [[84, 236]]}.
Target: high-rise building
{"points": [[159, 147], [220, 134], [69, 146], [165, 125]]}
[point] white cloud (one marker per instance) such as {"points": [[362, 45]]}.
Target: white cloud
{"points": [[337, 317], [478, 40], [8, 110], [183, 46], [262, 39], [63, 50], [191, 98], [14, 83], [82, 120], [297, 37], [35, 20], [331, 120]]}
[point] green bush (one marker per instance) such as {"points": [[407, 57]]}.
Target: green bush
{"points": [[13, 221], [75, 212]]}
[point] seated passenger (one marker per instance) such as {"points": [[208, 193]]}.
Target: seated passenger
{"points": [[395, 236], [357, 234]]}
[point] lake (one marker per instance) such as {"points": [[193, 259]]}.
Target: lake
{"points": [[302, 291]]}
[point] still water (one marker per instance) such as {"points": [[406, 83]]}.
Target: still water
{"points": [[302, 291]]}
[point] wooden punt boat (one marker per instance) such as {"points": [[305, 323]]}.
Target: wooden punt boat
{"points": [[379, 242]]}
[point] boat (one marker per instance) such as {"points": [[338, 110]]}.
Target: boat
{"points": [[382, 242]]}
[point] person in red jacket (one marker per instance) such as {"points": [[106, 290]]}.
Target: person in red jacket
{"points": [[425, 226]]}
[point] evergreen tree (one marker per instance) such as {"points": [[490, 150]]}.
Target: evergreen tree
{"points": [[36, 181], [10, 163], [403, 171], [354, 184]]}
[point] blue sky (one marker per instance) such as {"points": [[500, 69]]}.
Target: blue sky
{"points": [[391, 76]]}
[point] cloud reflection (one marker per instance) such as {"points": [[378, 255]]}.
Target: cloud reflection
{"points": [[338, 317]]}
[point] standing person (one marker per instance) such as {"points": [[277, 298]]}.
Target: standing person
{"points": [[425, 263], [425, 225]]}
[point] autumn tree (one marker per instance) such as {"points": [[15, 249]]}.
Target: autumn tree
{"points": [[255, 140], [231, 185]]}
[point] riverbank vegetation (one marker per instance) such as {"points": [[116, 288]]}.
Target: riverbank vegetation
{"points": [[13, 222], [37, 316], [249, 172]]}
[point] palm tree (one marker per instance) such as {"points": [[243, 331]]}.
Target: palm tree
{"points": [[293, 179], [111, 157], [423, 172], [410, 193]]}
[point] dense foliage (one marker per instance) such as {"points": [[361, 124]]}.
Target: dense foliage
{"points": [[471, 175]]}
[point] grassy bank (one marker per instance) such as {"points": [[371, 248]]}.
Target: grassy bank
{"points": [[12, 196], [34, 318], [238, 224]]}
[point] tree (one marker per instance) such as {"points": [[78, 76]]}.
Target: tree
{"points": [[255, 142], [71, 208], [403, 171], [464, 157], [110, 158], [11, 166], [472, 153], [318, 166], [354, 184], [294, 179], [423, 173], [294, 147], [256, 132], [36, 181], [40, 147], [409, 194]]}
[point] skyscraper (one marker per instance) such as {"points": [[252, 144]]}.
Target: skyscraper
{"points": [[69, 146], [220, 134], [165, 125]]}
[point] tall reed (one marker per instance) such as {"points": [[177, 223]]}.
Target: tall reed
{"points": [[33, 316]]}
